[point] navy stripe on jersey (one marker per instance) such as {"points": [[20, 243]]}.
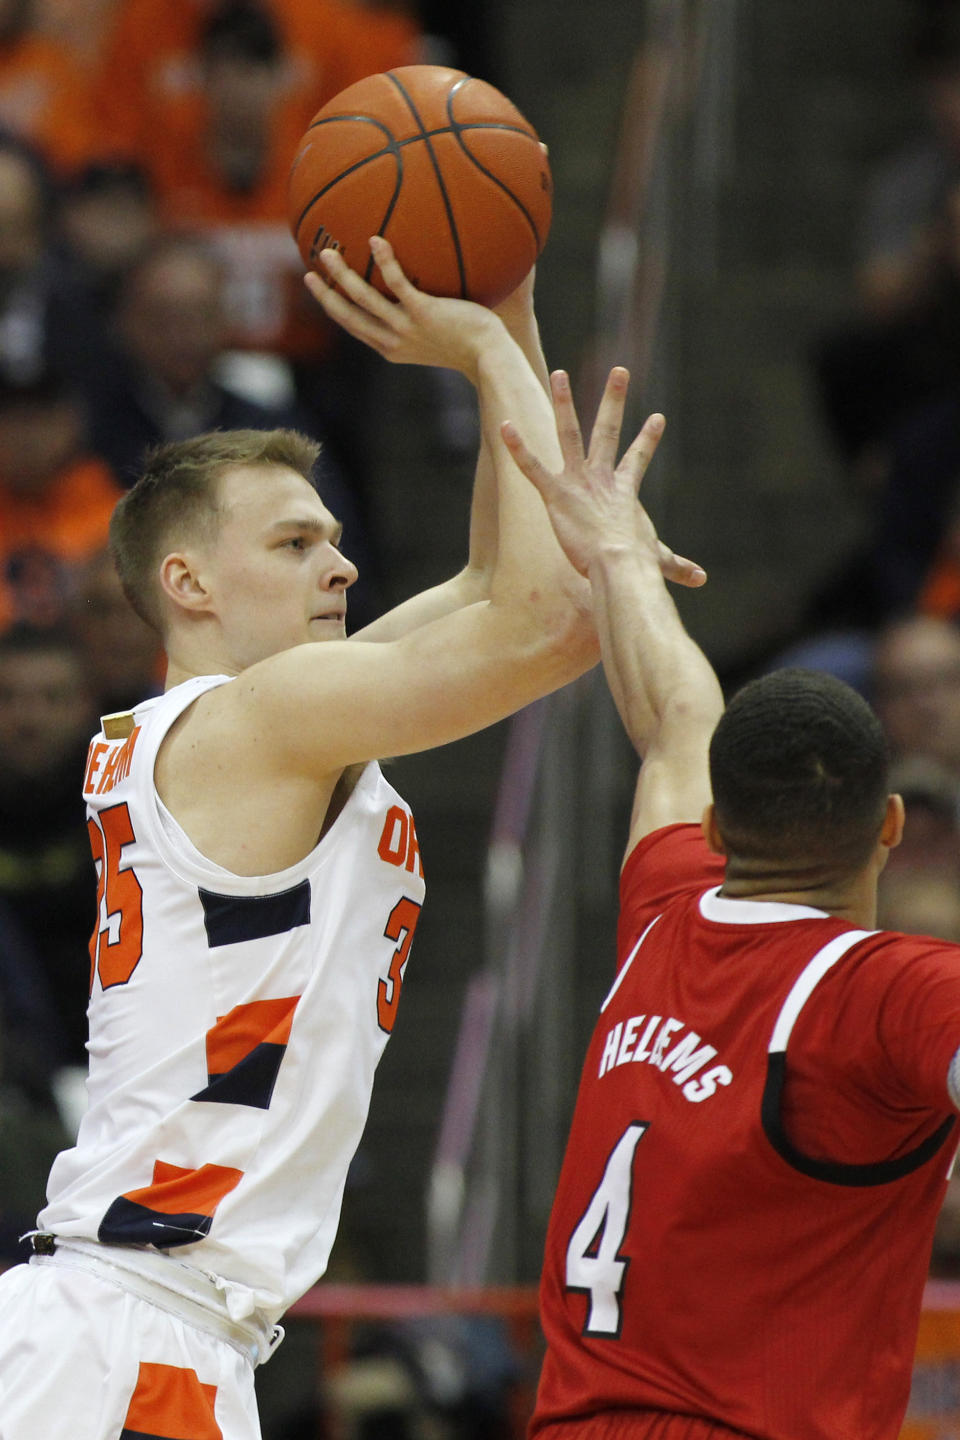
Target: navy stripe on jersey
{"points": [[160, 1213], [230, 919], [127, 1223], [127, 1434], [249, 1082], [141, 1435], [837, 1172]]}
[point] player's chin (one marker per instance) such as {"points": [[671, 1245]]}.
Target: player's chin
{"points": [[328, 627]]}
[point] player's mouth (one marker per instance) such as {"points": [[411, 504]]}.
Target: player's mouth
{"points": [[332, 617]]}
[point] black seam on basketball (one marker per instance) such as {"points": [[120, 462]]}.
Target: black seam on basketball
{"points": [[395, 148], [456, 128], [424, 135], [391, 148]]}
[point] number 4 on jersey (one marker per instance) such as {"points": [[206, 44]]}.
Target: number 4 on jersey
{"points": [[594, 1264]]}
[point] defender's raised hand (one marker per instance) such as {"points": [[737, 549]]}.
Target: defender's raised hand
{"points": [[592, 502]]}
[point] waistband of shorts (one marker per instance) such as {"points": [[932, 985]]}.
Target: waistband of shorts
{"points": [[178, 1289]]}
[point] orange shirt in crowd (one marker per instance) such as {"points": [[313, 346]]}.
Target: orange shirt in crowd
{"points": [[43, 538], [153, 107], [940, 594], [45, 97], [151, 66]]}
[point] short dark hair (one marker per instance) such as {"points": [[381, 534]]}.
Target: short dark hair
{"points": [[38, 392], [935, 41], [800, 773], [178, 495], [241, 30], [25, 638]]}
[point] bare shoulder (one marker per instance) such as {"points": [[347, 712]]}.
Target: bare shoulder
{"points": [[223, 772]]}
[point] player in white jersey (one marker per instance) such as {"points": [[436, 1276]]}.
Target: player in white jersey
{"points": [[259, 886]]}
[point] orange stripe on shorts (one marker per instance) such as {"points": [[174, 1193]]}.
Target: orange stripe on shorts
{"points": [[171, 1404]]}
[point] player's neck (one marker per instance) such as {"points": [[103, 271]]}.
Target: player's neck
{"points": [[187, 662], [852, 899]]}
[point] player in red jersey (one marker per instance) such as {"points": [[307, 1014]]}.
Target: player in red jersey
{"points": [[766, 1115]]}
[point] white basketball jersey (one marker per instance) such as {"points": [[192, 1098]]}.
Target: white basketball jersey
{"points": [[235, 1026]]}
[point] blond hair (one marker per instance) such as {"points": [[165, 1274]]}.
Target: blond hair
{"points": [[177, 497]]}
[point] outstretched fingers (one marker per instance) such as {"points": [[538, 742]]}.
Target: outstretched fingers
{"points": [[568, 425], [605, 435], [679, 569], [637, 458], [524, 459]]}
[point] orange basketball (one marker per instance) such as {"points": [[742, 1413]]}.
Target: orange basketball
{"points": [[440, 164]]}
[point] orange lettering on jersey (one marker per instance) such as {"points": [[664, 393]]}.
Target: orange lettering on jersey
{"points": [[108, 775], [94, 755], [175, 1191], [400, 926], [171, 1402], [100, 865], [413, 851], [118, 764], [393, 838]]}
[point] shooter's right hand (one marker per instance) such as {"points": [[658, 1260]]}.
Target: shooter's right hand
{"points": [[413, 329]]}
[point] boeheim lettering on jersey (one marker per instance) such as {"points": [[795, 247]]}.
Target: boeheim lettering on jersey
{"points": [[662, 1043], [108, 764]]}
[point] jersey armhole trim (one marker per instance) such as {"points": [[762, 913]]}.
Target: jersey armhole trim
{"points": [[833, 1172]]}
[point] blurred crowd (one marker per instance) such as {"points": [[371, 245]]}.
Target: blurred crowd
{"points": [[888, 377]]}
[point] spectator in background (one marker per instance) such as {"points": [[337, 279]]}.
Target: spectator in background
{"points": [[915, 688], [919, 894], [920, 903], [46, 321], [106, 216], [46, 872], [904, 347], [212, 100], [905, 196], [931, 832], [465, 35], [55, 500], [121, 658], [79, 25], [169, 329], [45, 94], [31, 1040], [31, 1135], [161, 384], [151, 71]]}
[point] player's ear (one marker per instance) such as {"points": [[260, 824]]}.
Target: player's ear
{"points": [[711, 832], [891, 832], [181, 582]]}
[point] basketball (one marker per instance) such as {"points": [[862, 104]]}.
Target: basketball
{"points": [[442, 165]]}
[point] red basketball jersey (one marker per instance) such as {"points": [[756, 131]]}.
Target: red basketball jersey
{"points": [[760, 1147]]}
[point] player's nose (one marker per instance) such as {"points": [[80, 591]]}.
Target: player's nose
{"points": [[341, 572]]}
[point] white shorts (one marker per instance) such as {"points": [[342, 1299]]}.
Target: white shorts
{"points": [[84, 1359]]}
